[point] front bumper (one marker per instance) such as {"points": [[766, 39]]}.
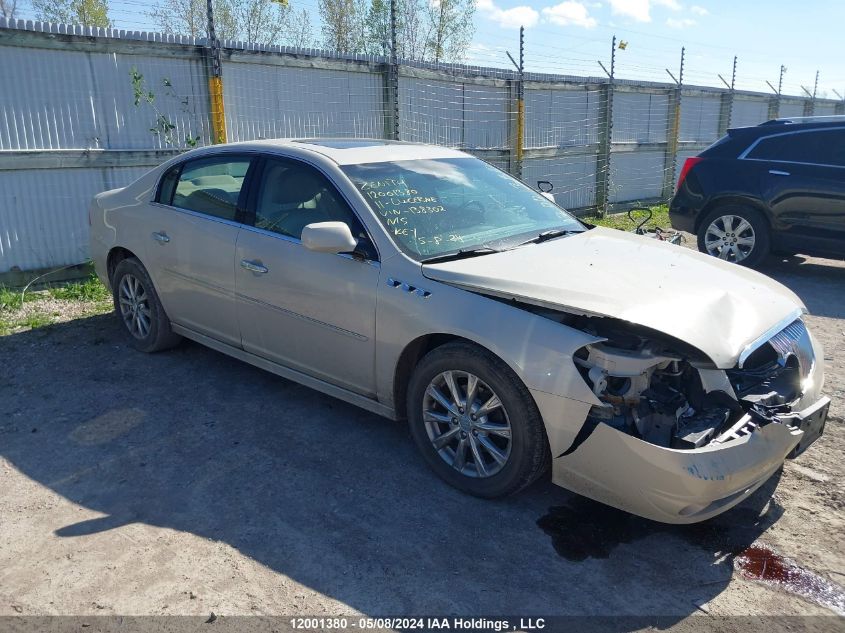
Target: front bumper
{"points": [[811, 422], [683, 486]]}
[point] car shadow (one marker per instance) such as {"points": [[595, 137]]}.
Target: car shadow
{"points": [[328, 495], [811, 279]]}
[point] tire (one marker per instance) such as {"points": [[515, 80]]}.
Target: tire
{"points": [[748, 225], [526, 451], [147, 323]]}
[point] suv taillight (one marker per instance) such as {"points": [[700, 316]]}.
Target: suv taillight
{"points": [[689, 163]]}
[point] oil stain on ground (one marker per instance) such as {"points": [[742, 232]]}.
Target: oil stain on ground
{"points": [[585, 529]]}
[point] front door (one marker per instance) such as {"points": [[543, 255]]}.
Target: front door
{"points": [[313, 312]]}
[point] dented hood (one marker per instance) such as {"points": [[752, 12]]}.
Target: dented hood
{"points": [[716, 306]]}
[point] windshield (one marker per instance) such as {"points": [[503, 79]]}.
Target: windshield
{"points": [[434, 207]]}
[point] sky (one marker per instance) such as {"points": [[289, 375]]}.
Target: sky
{"points": [[568, 37]]}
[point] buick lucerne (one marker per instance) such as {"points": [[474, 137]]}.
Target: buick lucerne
{"points": [[424, 284]]}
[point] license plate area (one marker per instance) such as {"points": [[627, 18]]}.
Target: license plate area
{"points": [[811, 421]]}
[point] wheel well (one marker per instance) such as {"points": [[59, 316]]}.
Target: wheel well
{"points": [[736, 200], [408, 360], [116, 255]]}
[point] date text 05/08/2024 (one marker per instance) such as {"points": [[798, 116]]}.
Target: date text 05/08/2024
{"points": [[421, 624]]}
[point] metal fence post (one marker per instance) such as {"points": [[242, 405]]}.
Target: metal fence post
{"points": [[517, 97], [810, 104], [774, 102], [726, 109], [520, 105], [605, 136], [215, 82], [391, 104], [839, 108], [673, 133]]}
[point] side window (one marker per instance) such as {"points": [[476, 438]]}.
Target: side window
{"points": [[821, 147], [292, 195], [167, 185], [212, 185], [831, 149]]}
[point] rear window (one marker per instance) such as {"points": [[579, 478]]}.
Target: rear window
{"points": [[817, 147], [211, 185]]}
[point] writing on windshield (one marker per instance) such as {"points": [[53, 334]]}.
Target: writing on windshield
{"points": [[434, 206]]}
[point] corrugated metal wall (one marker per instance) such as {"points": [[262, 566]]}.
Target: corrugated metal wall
{"points": [[70, 126]]}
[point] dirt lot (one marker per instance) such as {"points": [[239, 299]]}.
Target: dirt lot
{"points": [[188, 483]]}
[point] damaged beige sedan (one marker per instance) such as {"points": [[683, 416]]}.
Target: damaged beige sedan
{"points": [[424, 284]]}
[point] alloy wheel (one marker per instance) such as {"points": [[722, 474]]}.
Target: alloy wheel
{"points": [[134, 306], [730, 237], [467, 424]]}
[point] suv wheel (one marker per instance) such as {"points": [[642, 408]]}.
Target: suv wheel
{"points": [[139, 309], [475, 423], [736, 234]]}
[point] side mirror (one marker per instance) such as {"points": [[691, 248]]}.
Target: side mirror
{"points": [[328, 237]]}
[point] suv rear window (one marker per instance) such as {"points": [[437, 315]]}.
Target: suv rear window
{"points": [[817, 147]]}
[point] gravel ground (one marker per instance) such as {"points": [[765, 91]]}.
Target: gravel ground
{"points": [[188, 483]]}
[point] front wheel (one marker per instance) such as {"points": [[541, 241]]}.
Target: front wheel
{"points": [[736, 234], [475, 423]]}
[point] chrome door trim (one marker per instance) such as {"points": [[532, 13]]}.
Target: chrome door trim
{"points": [[330, 389], [218, 289], [302, 317]]}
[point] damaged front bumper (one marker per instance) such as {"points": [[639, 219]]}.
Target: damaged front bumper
{"points": [[668, 480], [683, 486]]}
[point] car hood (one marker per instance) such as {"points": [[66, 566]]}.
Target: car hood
{"points": [[715, 306]]}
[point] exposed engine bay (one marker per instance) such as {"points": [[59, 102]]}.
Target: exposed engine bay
{"points": [[666, 393], [667, 398]]}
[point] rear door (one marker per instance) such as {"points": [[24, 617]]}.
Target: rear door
{"points": [[804, 184], [313, 312], [194, 226]]}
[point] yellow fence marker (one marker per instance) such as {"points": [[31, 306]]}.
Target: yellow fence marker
{"points": [[218, 115]]}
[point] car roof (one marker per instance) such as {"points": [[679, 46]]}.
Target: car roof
{"points": [[791, 124], [353, 151]]}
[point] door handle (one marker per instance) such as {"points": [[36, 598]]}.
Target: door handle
{"points": [[777, 172], [161, 238], [254, 266]]}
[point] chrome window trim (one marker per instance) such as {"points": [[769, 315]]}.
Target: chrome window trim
{"points": [[744, 155], [298, 242], [181, 161], [765, 336], [794, 162], [198, 214]]}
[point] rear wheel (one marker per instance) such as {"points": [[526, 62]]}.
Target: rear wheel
{"points": [[735, 233], [475, 422], [139, 309]]}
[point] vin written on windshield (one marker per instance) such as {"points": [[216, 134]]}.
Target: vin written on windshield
{"points": [[435, 206]]}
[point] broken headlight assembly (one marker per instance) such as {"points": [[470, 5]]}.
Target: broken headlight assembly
{"points": [[669, 395]]}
